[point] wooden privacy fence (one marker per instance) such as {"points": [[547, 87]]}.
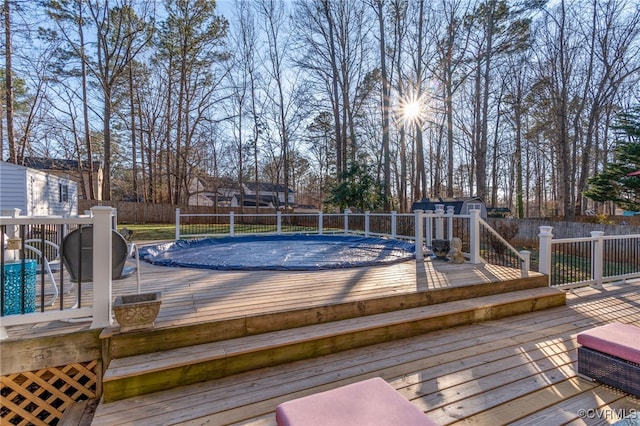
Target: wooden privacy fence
{"points": [[131, 212]]}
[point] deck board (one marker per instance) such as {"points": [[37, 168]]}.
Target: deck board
{"points": [[518, 369]]}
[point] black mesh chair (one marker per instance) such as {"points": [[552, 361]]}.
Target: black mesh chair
{"points": [[77, 255]]}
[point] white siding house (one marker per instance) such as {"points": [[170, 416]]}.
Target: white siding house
{"points": [[271, 189], [36, 193]]}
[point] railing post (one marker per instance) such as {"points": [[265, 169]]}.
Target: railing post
{"points": [[232, 230], [177, 224], [366, 223], [526, 263], [545, 248], [474, 235], [450, 212], [428, 233], [278, 222], [394, 224], [597, 258], [346, 221], [419, 219], [102, 260], [11, 230], [320, 223], [439, 219]]}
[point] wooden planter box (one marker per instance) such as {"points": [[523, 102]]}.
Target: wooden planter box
{"points": [[137, 311]]}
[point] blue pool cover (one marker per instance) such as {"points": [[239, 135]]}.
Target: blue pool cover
{"points": [[279, 252]]}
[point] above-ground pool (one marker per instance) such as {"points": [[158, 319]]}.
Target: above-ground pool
{"points": [[279, 252]]}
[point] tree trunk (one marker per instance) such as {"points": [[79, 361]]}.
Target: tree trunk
{"points": [[134, 148], [421, 174], [8, 73], [385, 111], [106, 177], [85, 112], [336, 93]]}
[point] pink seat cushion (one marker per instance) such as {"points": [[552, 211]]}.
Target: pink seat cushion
{"points": [[366, 403], [619, 340]]}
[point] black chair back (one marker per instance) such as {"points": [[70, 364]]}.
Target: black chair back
{"points": [[77, 254]]}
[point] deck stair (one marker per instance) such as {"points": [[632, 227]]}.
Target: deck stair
{"points": [[147, 362]]}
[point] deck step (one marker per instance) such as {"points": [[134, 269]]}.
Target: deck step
{"points": [[169, 336], [147, 373]]}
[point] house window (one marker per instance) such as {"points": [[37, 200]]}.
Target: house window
{"points": [[63, 193]]}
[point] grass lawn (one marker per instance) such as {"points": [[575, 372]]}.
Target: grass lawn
{"points": [[152, 232]]}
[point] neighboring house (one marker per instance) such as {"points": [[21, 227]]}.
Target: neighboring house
{"points": [[69, 169], [264, 201], [460, 205], [250, 188], [208, 192], [36, 193], [205, 192]]}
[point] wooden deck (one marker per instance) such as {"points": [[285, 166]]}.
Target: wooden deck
{"points": [[197, 295], [517, 370]]}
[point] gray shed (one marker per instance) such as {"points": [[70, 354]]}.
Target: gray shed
{"points": [[36, 193], [460, 205]]}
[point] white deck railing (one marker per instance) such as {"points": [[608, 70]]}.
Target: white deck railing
{"points": [[99, 309], [593, 260], [422, 227]]}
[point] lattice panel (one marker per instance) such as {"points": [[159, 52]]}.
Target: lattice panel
{"points": [[40, 397]]}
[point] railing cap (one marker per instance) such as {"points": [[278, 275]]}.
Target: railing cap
{"points": [[546, 230]]}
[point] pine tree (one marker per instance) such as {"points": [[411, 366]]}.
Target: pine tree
{"points": [[616, 182]]}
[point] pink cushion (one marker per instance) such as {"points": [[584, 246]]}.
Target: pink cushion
{"points": [[619, 340], [370, 402]]}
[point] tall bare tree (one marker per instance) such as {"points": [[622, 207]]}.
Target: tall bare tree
{"points": [[386, 103], [120, 35], [273, 14], [190, 43]]}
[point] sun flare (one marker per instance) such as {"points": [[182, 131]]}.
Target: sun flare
{"points": [[412, 110]]}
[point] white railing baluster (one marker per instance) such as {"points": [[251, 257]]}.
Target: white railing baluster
{"points": [[439, 225], [450, 213], [366, 223], [474, 237], [346, 222], [394, 224], [597, 254], [278, 222], [419, 220], [177, 224]]}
